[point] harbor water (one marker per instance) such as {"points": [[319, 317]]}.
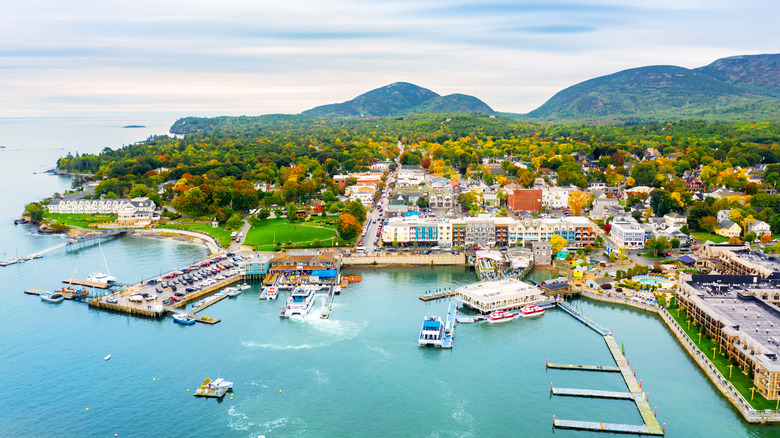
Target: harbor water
{"points": [[359, 373]]}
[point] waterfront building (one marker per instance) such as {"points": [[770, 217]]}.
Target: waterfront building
{"points": [[489, 296], [128, 208], [542, 251], [741, 260], [256, 267], [303, 260], [733, 310]]}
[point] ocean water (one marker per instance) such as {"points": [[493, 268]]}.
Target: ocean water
{"points": [[358, 374]]}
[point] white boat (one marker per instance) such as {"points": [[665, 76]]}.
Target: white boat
{"points": [[235, 293], [531, 310], [299, 304], [99, 277], [466, 319], [222, 383], [107, 357], [244, 287], [56, 297], [183, 318], [501, 316], [271, 293], [431, 332]]}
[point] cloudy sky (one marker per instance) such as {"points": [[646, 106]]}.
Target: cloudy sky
{"points": [[204, 57]]}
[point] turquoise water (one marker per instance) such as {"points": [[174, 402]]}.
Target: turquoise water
{"points": [[649, 280], [358, 374]]}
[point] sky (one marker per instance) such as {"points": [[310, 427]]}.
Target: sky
{"points": [[164, 58]]}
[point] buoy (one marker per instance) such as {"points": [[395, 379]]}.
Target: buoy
{"points": [[87, 408], [280, 390], [188, 389], [154, 379]]}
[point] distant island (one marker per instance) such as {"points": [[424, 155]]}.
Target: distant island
{"points": [[134, 126]]}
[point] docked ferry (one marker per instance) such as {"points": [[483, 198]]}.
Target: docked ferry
{"points": [[432, 331], [501, 316], [299, 304], [270, 293], [531, 310]]}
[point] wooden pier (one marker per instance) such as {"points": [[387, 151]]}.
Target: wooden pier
{"points": [[592, 393], [206, 319], [438, 295], [210, 303], [35, 291], [87, 283], [601, 368], [602, 427]]}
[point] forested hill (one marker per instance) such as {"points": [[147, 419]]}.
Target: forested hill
{"points": [[398, 99], [736, 88]]}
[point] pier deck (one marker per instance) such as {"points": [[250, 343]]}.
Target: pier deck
{"points": [[592, 393], [35, 291], [601, 368], [209, 304], [602, 427], [87, 283], [438, 295], [449, 326]]}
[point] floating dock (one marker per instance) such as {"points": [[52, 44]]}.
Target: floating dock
{"points": [[592, 393], [35, 291], [438, 295], [327, 306], [449, 326], [601, 368], [87, 283], [602, 427], [206, 319], [210, 303], [208, 391]]}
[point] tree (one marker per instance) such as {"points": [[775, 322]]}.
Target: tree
{"points": [[263, 214], [426, 162], [684, 229], [644, 173], [750, 237], [333, 209], [234, 222], [698, 211], [766, 238], [348, 226], [576, 200], [675, 243], [422, 201], [661, 202], [708, 223], [734, 240], [657, 244], [292, 211], [557, 242], [35, 211], [357, 210], [637, 215]]}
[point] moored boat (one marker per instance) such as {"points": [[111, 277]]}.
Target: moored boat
{"points": [[244, 286], [431, 332], [222, 383], [235, 293], [465, 319], [99, 277], [71, 294], [55, 297], [531, 310], [271, 293], [183, 318], [501, 316], [299, 304]]}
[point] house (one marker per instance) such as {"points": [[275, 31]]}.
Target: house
{"points": [[728, 228], [652, 153], [692, 179], [602, 206], [601, 283], [723, 215], [675, 220], [542, 252], [364, 194], [490, 199], [760, 228]]}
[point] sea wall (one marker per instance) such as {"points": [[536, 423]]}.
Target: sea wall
{"points": [[404, 259]]}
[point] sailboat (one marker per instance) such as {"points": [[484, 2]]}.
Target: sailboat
{"points": [[99, 277]]}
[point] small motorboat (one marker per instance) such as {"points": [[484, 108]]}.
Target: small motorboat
{"points": [[107, 357], [235, 293], [466, 319], [531, 310], [55, 297], [183, 318], [501, 316], [244, 286], [222, 384]]}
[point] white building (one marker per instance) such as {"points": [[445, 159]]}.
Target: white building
{"points": [[556, 197], [627, 233], [135, 207], [489, 296], [760, 228], [364, 194]]}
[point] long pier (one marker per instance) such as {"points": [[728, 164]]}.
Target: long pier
{"points": [[650, 426], [565, 366], [92, 284], [438, 295], [84, 241], [449, 326]]}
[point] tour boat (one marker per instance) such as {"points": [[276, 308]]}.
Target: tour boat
{"points": [[52, 298], [431, 332], [183, 318], [270, 294], [531, 310], [300, 302], [501, 316]]}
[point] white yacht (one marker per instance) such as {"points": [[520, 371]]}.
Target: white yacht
{"points": [[432, 331], [300, 302], [99, 277]]}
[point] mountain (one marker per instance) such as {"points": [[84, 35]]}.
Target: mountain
{"points": [[398, 99], [737, 88]]}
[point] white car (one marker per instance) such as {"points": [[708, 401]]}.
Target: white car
{"points": [[136, 298]]}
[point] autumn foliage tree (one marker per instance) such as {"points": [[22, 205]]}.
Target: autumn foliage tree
{"points": [[348, 226], [426, 162], [734, 240], [766, 238], [576, 200]]}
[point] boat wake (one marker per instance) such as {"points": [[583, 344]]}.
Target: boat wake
{"points": [[381, 350], [250, 344], [238, 420]]}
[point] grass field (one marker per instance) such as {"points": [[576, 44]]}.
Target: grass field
{"points": [[222, 235], [739, 379], [703, 237], [79, 220], [263, 235]]}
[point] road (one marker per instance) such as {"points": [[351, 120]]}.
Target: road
{"points": [[242, 232], [370, 239]]}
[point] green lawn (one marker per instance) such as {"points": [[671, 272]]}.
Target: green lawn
{"points": [[265, 233], [221, 234], [740, 380], [703, 237], [79, 220]]}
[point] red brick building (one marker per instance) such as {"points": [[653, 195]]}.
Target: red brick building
{"points": [[524, 200]]}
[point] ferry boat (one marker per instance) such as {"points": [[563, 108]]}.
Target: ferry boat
{"points": [[183, 318], [501, 316], [56, 297], [531, 310], [431, 332], [271, 293], [300, 302]]}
